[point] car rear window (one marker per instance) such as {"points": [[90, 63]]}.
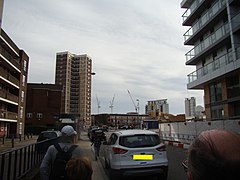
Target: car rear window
{"points": [[49, 134], [136, 141]]}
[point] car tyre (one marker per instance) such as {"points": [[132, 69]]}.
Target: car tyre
{"points": [[162, 176], [112, 175]]}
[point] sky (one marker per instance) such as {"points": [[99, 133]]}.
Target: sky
{"points": [[135, 45]]}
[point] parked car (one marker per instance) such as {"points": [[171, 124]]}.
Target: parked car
{"points": [[46, 139], [91, 128], [48, 135], [135, 153], [126, 127], [96, 132]]}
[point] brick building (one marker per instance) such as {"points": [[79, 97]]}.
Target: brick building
{"points": [[43, 106]]}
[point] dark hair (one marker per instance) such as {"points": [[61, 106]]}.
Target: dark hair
{"points": [[205, 162], [79, 168]]}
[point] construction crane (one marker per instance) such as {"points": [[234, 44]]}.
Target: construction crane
{"points": [[111, 104], [98, 103], [135, 106]]}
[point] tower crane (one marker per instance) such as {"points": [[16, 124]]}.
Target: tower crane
{"points": [[98, 103], [135, 106], [111, 104]]}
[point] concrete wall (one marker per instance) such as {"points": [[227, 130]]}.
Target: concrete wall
{"points": [[186, 131]]}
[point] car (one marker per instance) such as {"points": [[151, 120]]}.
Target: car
{"points": [[48, 134], [46, 139], [91, 128], [96, 132], [135, 153], [126, 127]]}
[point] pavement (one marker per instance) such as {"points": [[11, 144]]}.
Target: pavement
{"points": [[9, 144], [98, 171]]}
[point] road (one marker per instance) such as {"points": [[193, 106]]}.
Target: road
{"points": [[175, 157]]}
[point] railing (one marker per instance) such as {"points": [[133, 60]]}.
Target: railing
{"points": [[16, 163], [208, 41], [184, 138], [6, 95], [6, 55], [204, 18], [8, 115], [213, 66], [189, 11], [9, 77]]}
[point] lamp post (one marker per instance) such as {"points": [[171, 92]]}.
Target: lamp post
{"points": [[92, 74]]}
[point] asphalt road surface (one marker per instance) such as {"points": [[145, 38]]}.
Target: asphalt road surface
{"points": [[175, 172]]}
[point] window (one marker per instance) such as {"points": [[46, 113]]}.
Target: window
{"points": [[112, 140], [233, 87], [215, 92], [29, 115], [21, 112], [22, 96], [217, 112], [23, 80], [136, 141], [39, 116], [25, 65]]}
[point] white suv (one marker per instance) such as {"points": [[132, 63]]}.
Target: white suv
{"points": [[135, 153]]}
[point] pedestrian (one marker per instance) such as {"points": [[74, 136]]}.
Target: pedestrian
{"points": [[97, 139], [79, 168], [214, 154], [55, 160]]}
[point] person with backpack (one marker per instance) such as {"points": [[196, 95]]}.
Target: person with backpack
{"points": [[54, 162], [97, 139]]}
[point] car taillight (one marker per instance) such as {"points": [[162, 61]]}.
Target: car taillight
{"points": [[161, 148], [119, 150]]}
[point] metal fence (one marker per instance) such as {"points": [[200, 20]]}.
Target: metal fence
{"points": [[16, 163]]}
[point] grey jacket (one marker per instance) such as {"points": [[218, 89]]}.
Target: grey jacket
{"points": [[48, 160]]}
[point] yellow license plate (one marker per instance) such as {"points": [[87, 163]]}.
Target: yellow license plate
{"points": [[145, 157]]}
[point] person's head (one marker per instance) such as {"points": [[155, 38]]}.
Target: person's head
{"points": [[214, 154], [68, 133], [79, 168]]}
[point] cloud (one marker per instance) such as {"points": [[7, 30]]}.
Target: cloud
{"points": [[135, 45]]}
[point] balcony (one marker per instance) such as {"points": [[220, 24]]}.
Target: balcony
{"points": [[191, 9], [235, 22], [9, 59], [208, 16], [8, 115], [208, 41], [195, 10], [6, 95], [9, 77], [218, 67]]}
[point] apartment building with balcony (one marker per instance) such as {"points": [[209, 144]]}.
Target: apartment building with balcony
{"points": [[74, 73], [214, 35], [13, 83]]}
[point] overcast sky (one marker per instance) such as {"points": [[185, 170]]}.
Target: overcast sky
{"points": [[135, 45]]}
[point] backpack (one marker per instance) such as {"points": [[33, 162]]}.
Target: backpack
{"points": [[58, 171]]}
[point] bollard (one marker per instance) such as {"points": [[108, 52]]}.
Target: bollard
{"points": [[12, 141], [3, 139]]}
